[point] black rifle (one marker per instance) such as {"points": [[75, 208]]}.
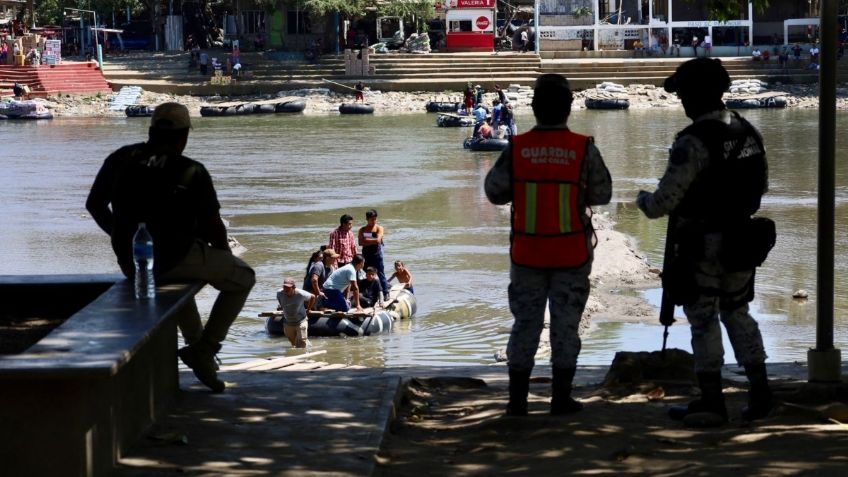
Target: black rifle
{"points": [[667, 303]]}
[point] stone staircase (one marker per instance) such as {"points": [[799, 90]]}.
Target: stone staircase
{"points": [[45, 80], [270, 72], [265, 73]]}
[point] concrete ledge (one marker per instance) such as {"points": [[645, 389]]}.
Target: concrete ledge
{"points": [[88, 390]]}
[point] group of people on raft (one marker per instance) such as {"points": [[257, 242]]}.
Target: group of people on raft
{"points": [[335, 279], [498, 123]]}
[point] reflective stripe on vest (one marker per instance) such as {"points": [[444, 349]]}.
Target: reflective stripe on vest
{"points": [[547, 231]]}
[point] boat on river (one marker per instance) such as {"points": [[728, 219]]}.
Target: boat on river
{"points": [[442, 106], [26, 109], [488, 144], [607, 103], [755, 103], [401, 305], [356, 108], [291, 104], [447, 120], [139, 111]]}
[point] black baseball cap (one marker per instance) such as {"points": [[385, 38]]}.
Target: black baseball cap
{"points": [[700, 75]]}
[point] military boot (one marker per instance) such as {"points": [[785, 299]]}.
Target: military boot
{"points": [[711, 402], [200, 357], [519, 386], [561, 400], [759, 394]]}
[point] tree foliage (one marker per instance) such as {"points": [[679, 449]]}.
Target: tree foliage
{"points": [[52, 12], [420, 9], [724, 10], [344, 7]]}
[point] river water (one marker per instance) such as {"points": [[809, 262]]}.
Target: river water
{"points": [[283, 182]]}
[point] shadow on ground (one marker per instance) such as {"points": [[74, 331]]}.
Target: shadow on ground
{"points": [[456, 427]]}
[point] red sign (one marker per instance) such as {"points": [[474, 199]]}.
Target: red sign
{"points": [[482, 22], [472, 3]]}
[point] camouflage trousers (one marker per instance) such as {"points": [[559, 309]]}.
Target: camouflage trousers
{"points": [[723, 296], [529, 291]]}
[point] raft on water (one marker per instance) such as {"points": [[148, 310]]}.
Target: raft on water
{"points": [[489, 144], [607, 103], [27, 109], [758, 102], [291, 104], [442, 106], [356, 108], [401, 305], [139, 111], [454, 121]]}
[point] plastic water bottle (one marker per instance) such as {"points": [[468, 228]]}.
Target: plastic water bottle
{"points": [[143, 259]]}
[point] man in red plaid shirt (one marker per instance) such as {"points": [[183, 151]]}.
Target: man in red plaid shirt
{"points": [[343, 241]]}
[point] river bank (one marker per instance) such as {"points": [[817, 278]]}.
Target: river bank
{"points": [[326, 101]]}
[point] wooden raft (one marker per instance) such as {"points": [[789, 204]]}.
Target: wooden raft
{"points": [[301, 362]]}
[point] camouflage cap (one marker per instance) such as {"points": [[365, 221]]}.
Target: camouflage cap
{"points": [[700, 75], [170, 116]]}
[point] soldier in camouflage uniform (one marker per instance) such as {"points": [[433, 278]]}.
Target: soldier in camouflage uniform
{"points": [[716, 175], [551, 175]]}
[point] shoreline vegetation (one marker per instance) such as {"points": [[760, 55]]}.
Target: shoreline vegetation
{"points": [[325, 101]]}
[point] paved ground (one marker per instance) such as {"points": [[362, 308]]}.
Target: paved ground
{"points": [[305, 423]]}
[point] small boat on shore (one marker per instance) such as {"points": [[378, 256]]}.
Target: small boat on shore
{"points": [[270, 106], [488, 144], [442, 107], [139, 111], [356, 108], [754, 103], [401, 305], [454, 121], [607, 103], [27, 109]]}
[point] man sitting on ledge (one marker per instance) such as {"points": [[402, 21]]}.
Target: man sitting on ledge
{"points": [[154, 183]]}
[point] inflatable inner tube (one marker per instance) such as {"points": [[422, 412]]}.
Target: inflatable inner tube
{"points": [[356, 108], [264, 109], [139, 111], [380, 322], [607, 103], [753, 103], [294, 106], [404, 305], [442, 107], [208, 111], [454, 121], [490, 144]]}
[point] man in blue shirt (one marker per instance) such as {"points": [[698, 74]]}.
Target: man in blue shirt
{"points": [[339, 280], [496, 113], [480, 114]]}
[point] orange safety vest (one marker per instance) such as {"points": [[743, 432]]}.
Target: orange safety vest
{"points": [[547, 230]]}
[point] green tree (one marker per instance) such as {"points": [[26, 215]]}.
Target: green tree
{"points": [[723, 10], [344, 7]]}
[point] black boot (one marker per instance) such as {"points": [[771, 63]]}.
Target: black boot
{"points": [[561, 400], [519, 386], [711, 401], [759, 394], [200, 357]]}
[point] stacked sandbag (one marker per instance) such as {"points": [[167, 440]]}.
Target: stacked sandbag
{"points": [[748, 86], [610, 87], [418, 43]]}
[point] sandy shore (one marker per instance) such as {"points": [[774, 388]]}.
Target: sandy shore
{"points": [[324, 101]]}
